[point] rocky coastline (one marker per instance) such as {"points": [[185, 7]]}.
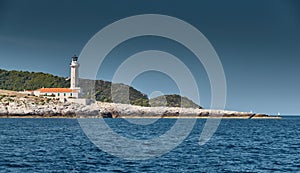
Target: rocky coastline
{"points": [[22, 106]]}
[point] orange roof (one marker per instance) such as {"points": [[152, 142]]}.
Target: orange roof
{"points": [[56, 90]]}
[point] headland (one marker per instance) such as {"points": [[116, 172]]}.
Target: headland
{"points": [[17, 105]]}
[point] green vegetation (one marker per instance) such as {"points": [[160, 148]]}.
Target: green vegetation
{"points": [[2, 96], [100, 90], [173, 101], [103, 91], [19, 80]]}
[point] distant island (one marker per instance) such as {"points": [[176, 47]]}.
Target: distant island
{"points": [[14, 104]]}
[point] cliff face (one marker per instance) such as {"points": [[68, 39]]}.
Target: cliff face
{"points": [[13, 104]]}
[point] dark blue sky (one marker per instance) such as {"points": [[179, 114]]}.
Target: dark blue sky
{"points": [[258, 42]]}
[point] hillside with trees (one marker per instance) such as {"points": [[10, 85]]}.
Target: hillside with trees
{"points": [[24, 80], [103, 91], [173, 100], [98, 89]]}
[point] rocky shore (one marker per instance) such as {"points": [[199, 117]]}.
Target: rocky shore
{"points": [[130, 111], [16, 106]]}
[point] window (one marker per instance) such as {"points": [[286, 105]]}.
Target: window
{"points": [[58, 94], [71, 94], [64, 94]]}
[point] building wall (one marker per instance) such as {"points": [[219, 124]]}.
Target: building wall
{"points": [[57, 95], [27, 92], [80, 101], [74, 75]]}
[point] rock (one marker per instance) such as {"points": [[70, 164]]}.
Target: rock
{"points": [[107, 115], [24, 106]]}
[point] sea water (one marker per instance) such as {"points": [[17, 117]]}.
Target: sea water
{"points": [[60, 145]]}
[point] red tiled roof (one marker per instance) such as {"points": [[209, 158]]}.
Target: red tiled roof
{"points": [[56, 90]]}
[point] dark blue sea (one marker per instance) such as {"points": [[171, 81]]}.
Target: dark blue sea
{"points": [[60, 145]]}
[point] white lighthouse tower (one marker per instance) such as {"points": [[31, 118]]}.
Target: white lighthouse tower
{"points": [[74, 74]]}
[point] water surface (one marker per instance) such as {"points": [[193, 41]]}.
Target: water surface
{"points": [[59, 145]]}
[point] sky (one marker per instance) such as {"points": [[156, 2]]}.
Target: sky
{"points": [[257, 41]]}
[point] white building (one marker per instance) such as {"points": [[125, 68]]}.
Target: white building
{"points": [[74, 74], [65, 94], [61, 93]]}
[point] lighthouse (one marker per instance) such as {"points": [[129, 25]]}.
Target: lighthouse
{"points": [[74, 74], [65, 94]]}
